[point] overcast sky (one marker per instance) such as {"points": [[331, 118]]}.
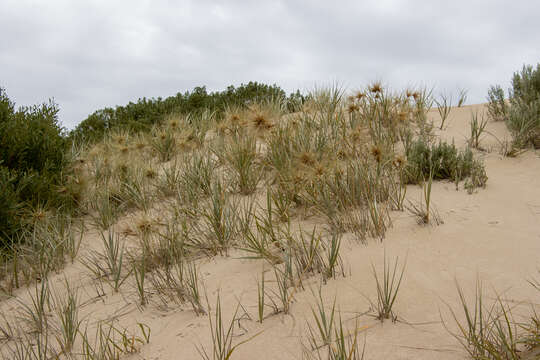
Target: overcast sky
{"points": [[91, 54]]}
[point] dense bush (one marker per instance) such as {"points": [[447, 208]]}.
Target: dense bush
{"points": [[445, 161], [147, 112], [32, 158], [522, 116]]}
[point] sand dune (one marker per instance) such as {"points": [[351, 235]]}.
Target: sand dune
{"points": [[492, 235]]}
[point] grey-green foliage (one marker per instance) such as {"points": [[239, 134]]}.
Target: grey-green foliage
{"points": [[445, 161], [522, 116]]}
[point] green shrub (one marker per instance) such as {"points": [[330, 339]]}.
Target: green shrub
{"points": [[523, 114], [32, 160], [145, 113], [10, 205], [446, 162]]}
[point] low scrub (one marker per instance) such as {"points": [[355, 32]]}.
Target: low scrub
{"points": [[522, 110], [33, 162], [445, 161]]}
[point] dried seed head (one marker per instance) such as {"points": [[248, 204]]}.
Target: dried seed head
{"points": [[376, 153], [360, 95], [307, 158], [261, 122], [376, 88], [352, 108], [151, 173], [402, 116], [319, 170], [399, 161]]}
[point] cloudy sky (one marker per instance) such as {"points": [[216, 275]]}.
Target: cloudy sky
{"points": [[91, 54]]}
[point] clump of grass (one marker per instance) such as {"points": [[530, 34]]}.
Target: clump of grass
{"points": [[194, 294], [164, 144], [36, 313], [67, 309], [462, 97], [110, 263], [139, 270], [425, 213], [333, 258], [107, 209], [387, 288], [329, 340], [219, 221], [478, 126], [522, 111], [497, 107], [240, 154], [112, 342], [487, 332], [222, 336], [283, 294], [444, 106]]}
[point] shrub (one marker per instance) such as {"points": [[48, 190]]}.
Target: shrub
{"points": [[523, 115], [446, 162], [145, 113], [32, 159], [10, 205]]}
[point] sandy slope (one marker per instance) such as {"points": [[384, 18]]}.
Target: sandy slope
{"points": [[492, 235]]}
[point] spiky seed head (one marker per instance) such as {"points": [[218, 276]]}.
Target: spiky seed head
{"points": [[376, 88], [416, 96], [261, 122], [409, 93], [124, 149], [151, 173], [307, 158], [399, 161], [140, 145], [376, 153], [402, 116], [144, 224], [319, 170], [352, 108], [123, 168]]}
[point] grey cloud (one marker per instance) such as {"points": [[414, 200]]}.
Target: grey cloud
{"points": [[92, 54]]}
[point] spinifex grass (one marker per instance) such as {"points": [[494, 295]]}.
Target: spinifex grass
{"points": [[106, 209], [444, 106], [222, 336], [329, 340], [387, 288], [478, 125], [110, 263], [487, 332], [240, 154], [220, 221], [322, 335], [462, 97], [139, 270], [333, 258], [67, 309], [192, 286], [35, 314]]}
